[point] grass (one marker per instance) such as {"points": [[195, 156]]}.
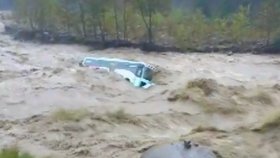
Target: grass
{"points": [[120, 116], [13, 153], [70, 114], [272, 120]]}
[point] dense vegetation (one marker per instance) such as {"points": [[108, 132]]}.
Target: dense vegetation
{"points": [[183, 23]]}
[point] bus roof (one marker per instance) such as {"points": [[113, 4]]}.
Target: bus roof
{"points": [[116, 60]]}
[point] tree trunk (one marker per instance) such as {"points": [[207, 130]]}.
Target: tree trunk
{"points": [[101, 29], [82, 18], [31, 23], [124, 22], [268, 33], [116, 20], [150, 28], [147, 24], [95, 31], [68, 27]]}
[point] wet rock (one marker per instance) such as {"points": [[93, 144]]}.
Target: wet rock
{"points": [[185, 149]]}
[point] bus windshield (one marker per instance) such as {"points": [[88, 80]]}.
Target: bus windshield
{"points": [[147, 73]]}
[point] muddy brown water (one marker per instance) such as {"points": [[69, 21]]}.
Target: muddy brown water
{"points": [[36, 80]]}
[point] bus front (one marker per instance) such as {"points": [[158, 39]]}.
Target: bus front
{"points": [[144, 77]]}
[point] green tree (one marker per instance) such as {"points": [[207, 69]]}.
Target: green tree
{"points": [[269, 18], [116, 9], [110, 24], [125, 5], [239, 25], [65, 15], [40, 14], [175, 18], [112, 18], [147, 9], [135, 28], [191, 30], [97, 11], [82, 13], [22, 13]]}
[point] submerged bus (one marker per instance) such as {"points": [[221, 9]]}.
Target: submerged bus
{"points": [[138, 73]]}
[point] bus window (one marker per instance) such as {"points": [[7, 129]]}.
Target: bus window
{"points": [[139, 71], [147, 73]]}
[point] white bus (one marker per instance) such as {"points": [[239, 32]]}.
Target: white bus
{"points": [[138, 73]]}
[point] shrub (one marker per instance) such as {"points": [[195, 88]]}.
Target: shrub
{"points": [[13, 153]]}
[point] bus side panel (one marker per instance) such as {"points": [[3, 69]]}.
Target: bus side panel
{"points": [[95, 63], [126, 74]]}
